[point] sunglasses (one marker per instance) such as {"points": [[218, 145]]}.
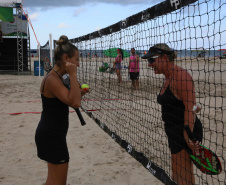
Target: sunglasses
{"points": [[152, 59]]}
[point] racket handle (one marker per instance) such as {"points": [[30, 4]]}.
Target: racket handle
{"points": [[67, 82], [80, 117], [192, 137], [189, 132]]}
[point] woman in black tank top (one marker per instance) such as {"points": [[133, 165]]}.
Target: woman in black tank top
{"points": [[50, 136], [177, 98]]}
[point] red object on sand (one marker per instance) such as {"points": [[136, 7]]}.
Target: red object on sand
{"points": [[16, 113]]}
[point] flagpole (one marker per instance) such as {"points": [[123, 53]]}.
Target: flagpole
{"points": [[39, 60], [51, 52]]}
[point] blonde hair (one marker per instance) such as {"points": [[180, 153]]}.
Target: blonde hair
{"points": [[64, 47]]}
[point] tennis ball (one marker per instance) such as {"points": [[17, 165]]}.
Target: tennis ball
{"points": [[85, 87]]}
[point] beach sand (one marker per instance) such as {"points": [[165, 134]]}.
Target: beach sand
{"points": [[95, 158]]}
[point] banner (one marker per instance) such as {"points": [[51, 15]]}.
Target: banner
{"points": [[6, 14], [10, 28]]}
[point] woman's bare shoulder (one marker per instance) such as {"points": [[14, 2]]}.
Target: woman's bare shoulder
{"points": [[183, 74], [50, 82]]}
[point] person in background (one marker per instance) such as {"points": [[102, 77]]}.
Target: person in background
{"points": [[134, 69], [117, 64], [177, 99], [51, 132]]}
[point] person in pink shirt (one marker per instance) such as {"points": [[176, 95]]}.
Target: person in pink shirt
{"points": [[134, 69]]}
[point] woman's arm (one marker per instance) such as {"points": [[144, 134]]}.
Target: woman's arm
{"points": [[137, 61], [129, 64], [55, 88], [186, 92], [117, 59]]}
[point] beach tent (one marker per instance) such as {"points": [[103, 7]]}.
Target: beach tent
{"points": [[222, 53]]}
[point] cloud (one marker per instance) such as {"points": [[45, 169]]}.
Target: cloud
{"points": [[34, 16], [79, 11], [62, 25], [98, 28], [77, 3]]}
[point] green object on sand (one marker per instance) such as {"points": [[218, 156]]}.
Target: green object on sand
{"points": [[104, 67]]}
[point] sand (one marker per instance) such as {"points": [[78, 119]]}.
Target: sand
{"points": [[95, 158]]}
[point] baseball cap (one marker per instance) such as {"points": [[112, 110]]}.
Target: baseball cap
{"points": [[160, 49]]}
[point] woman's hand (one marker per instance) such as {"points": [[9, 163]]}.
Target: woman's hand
{"points": [[71, 68], [83, 92], [194, 146]]}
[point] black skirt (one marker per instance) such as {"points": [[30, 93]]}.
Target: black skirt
{"points": [[52, 145]]}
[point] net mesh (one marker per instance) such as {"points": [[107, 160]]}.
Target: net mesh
{"points": [[197, 31]]}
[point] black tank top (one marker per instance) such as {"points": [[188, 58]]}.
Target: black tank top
{"points": [[54, 112], [172, 108], [173, 116]]}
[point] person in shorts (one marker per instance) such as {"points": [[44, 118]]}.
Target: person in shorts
{"points": [[117, 64], [177, 100], [134, 69]]}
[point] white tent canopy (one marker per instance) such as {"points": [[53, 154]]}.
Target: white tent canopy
{"points": [[6, 3]]}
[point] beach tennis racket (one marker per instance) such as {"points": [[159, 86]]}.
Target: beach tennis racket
{"points": [[67, 82], [204, 159], [80, 116]]}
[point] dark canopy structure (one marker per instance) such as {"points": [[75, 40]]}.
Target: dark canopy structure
{"points": [[14, 38]]}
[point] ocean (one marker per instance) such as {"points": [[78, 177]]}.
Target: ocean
{"points": [[181, 53]]}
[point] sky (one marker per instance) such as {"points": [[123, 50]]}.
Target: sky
{"points": [[75, 18]]}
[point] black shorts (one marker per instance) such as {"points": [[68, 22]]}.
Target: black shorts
{"points": [[134, 76], [51, 145], [176, 139]]}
